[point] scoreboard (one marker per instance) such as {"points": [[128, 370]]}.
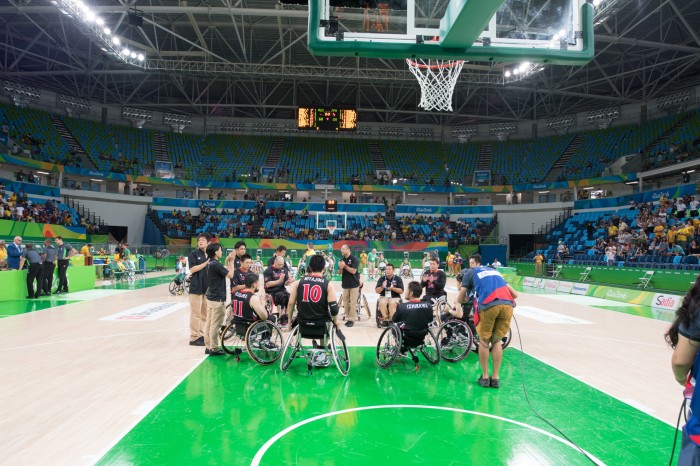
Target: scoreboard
{"points": [[327, 119]]}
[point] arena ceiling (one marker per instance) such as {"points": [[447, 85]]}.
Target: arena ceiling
{"points": [[248, 58]]}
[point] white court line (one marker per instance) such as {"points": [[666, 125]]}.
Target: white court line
{"points": [[597, 338], [266, 446], [138, 419], [111, 335], [590, 384]]}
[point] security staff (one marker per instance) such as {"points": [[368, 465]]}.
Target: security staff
{"points": [[63, 252], [49, 258], [32, 257]]}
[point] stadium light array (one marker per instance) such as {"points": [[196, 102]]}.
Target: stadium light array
{"points": [[232, 127], [502, 130], [74, 106], [96, 28], [674, 102], [21, 95], [464, 133], [603, 117], [177, 122], [562, 123], [520, 71], [137, 117]]}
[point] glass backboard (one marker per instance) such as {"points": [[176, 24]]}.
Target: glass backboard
{"points": [[545, 31]]}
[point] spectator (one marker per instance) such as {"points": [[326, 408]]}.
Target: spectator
{"points": [[14, 253]]}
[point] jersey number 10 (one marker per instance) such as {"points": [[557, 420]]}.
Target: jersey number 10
{"points": [[313, 292]]}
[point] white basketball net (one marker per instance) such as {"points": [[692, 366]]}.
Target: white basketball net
{"points": [[437, 79]]}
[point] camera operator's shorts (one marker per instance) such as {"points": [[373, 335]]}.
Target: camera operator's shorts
{"points": [[494, 322]]}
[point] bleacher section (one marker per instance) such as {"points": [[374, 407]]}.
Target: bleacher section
{"points": [[221, 155], [582, 232], [324, 160], [28, 121], [216, 157], [113, 148], [421, 159], [527, 161]]}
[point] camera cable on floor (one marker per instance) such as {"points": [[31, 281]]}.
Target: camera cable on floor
{"points": [[532, 408]]}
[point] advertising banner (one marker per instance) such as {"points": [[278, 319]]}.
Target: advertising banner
{"points": [[300, 244], [580, 288], [666, 301], [565, 287], [40, 231], [443, 210], [646, 196], [551, 285], [539, 283], [528, 281]]}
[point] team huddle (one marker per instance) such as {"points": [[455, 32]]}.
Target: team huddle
{"points": [[485, 302]]}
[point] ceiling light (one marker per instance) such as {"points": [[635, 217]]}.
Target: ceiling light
{"points": [[100, 21], [125, 52], [89, 16], [107, 31], [507, 74], [141, 57], [115, 40]]}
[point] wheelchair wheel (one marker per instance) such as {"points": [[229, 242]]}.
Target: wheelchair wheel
{"points": [[364, 305], [264, 341], [291, 347], [269, 304], [340, 352], [455, 340], [186, 284], [388, 346], [441, 308], [430, 348], [506, 340], [173, 287], [231, 342]]}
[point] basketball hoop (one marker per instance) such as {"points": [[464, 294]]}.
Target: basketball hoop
{"points": [[331, 229], [437, 79]]}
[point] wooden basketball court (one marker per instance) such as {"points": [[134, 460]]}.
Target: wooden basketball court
{"points": [[108, 377]]}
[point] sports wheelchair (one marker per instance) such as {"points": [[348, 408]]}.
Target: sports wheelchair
{"points": [[332, 346], [406, 272], [178, 285], [261, 339], [394, 342], [457, 336], [361, 304]]}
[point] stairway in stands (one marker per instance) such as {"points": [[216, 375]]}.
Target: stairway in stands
{"points": [[273, 158], [635, 164], [484, 163], [560, 164], [377, 156], [160, 148], [390, 218], [72, 142]]}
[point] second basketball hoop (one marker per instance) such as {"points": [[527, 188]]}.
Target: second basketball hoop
{"points": [[437, 79]]}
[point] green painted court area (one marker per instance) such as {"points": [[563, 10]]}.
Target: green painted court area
{"points": [[226, 412], [23, 306]]}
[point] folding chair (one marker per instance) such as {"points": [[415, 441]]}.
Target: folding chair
{"points": [[584, 275], [644, 281], [557, 271]]}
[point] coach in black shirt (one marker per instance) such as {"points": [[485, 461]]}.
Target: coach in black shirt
{"points": [[216, 298], [197, 275], [63, 252], [350, 282]]}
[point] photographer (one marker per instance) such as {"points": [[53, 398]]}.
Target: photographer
{"points": [[684, 338]]}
